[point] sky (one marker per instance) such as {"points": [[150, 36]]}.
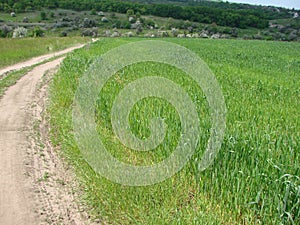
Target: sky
{"points": [[283, 3]]}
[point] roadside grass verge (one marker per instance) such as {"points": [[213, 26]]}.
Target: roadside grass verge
{"points": [[11, 79], [255, 177], [18, 50]]}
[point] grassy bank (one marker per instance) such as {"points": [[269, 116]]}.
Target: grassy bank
{"points": [[255, 177], [17, 50], [11, 79]]}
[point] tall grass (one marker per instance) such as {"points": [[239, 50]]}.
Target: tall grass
{"points": [[255, 177]]}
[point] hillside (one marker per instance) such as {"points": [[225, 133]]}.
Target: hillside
{"points": [[222, 18]]}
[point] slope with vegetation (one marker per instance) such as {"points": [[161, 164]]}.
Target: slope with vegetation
{"points": [[231, 20]]}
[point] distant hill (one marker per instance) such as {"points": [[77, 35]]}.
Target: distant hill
{"points": [[220, 13]]}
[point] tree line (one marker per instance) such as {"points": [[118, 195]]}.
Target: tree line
{"points": [[197, 13], [267, 12]]}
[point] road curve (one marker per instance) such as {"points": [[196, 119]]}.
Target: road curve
{"points": [[36, 60], [18, 203]]}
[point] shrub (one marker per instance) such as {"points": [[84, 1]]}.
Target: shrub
{"points": [[20, 32], [43, 16], [101, 13], [25, 20], [292, 37], [93, 12], [130, 12], [126, 25], [104, 20], [37, 32], [4, 30], [88, 23], [90, 32], [64, 34], [149, 23]]}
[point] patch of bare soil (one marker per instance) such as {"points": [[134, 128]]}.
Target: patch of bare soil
{"points": [[36, 187]]}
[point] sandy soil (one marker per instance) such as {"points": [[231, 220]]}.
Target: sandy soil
{"points": [[36, 187]]}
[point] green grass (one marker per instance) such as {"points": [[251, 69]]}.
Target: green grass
{"points": [[32, 16], [11, 79], [255, 177], [17, 50]]}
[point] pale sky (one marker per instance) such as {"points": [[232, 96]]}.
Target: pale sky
{"points": [[283, 3]]}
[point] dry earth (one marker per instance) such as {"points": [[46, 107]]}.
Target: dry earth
{"points": [[36, 187]]}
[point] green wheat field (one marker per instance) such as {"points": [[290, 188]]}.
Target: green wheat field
{"points": [[255, 178]]}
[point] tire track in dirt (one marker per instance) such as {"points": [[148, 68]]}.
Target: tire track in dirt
{"points": [[35, 186]]}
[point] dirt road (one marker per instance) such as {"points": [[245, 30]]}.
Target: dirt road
{"points": [[36, 60], [35, 186]]}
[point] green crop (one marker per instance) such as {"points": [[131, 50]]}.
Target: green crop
{"points": [[255, 177]]}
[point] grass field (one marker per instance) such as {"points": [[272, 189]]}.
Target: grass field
{"points": [[17, 50], [255, 177]]}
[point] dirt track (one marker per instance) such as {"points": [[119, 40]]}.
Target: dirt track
{"points": [[35, 187], [36, 60]]}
